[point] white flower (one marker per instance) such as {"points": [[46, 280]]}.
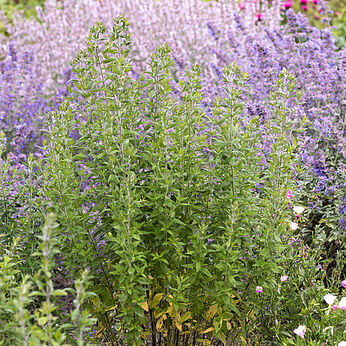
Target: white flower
{"points": [[342, 343], [329, 299], [293, 226], [342, 303], [298, 209], [300, 331]]}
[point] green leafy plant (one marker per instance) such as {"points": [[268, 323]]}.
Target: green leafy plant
{"points": [[28, 310], [175, 211]]}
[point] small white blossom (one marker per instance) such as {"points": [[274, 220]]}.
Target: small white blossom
{"points": [[298, 209], [293, 226], [329, 299], [342, 303], [300, 331]]}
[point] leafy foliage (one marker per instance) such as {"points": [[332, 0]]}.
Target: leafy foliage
{"points": [[28, 311]]}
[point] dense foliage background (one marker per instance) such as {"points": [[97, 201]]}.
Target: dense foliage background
{"points": [[178, 178]]}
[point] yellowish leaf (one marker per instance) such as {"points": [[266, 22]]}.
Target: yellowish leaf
{"points": [[212, 312], [170, 311], [158, 313], [229, 326], [145, 306], [159, 324], [99, 333], [243, 340], [186, 332], [177, 316], [210, 329], [156, 300], [178, 325], [113, 308]]}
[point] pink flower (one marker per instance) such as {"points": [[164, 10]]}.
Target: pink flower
{"points": [[288, 4], [284, 278], [303, 2], [343, 283], [300, 331], [259, 289], [259, 16], [293, 240], [315, 1], [341, 306], [289, 194], [241, 6], [304, 7]]}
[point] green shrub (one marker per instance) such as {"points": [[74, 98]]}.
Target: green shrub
{"points": [[161, 201]]}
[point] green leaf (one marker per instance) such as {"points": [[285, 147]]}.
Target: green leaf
{"points": [[59, 293]]}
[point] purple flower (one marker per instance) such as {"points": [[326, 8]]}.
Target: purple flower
{"points": [[209, 241], [289, 194]]}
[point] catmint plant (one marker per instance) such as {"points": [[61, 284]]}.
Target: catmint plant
{"points": [[65, 25]]}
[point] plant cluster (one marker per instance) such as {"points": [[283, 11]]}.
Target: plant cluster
{"points": [[297, 47], [319, 13], [29, 306]]}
